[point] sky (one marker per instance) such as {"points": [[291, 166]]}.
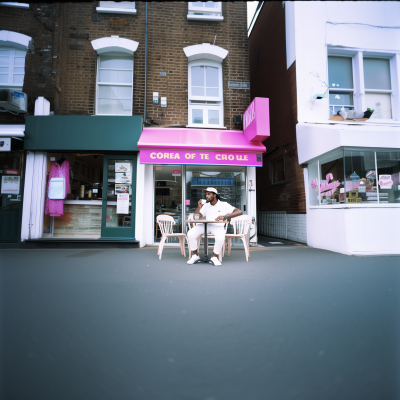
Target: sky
{"points": [[251, 7]]}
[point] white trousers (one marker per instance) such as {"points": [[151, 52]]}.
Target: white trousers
{"points": [[217, 231]]}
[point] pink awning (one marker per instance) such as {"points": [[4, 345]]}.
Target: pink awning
{"points": [[197, 139]]}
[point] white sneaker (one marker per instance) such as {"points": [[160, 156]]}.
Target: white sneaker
{"points": [[215, 261], [193, 259]]}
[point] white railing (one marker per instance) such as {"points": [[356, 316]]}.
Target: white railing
{"points": [[272, 223]]}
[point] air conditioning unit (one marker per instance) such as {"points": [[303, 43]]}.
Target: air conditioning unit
{"points": [[13, 100]]}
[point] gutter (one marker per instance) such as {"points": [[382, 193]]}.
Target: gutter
{"points": [[145, 73]]}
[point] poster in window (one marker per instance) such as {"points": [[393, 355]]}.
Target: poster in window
{"points": [[125, 177], [123, 203], [122, 167], [10, 184], [385, 181]]}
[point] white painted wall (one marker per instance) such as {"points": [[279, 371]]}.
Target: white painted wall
{"points": [[314, 30], [290, 33], [361, 231], [314, 140]]}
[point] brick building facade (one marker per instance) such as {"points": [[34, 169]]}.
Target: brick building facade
{"points": [[61, 62], [270, 78]]}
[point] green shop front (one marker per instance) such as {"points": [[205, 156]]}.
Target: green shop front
{"points": [[95, 158]]}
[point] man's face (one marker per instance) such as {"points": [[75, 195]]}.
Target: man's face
{"points": [[210, 196]]}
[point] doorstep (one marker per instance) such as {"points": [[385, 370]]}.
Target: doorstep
{"points": [[60, 243]]}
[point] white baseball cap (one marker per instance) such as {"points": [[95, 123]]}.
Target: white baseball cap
{"points": [[210, 189]]}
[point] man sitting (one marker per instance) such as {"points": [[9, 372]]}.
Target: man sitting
{"points": [[213, 210]]}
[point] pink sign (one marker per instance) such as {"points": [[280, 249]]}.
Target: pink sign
{"points": [[176, 172], [256, 120], [199, 157]]}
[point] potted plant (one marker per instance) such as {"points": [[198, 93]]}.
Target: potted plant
{"points": [[368, 113]]}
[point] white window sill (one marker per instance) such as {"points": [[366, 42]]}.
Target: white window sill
{"points": [[384, 205], [12, 87], [205, 126], [205, 17], [14, 5], [116, 10], [111, 115]]}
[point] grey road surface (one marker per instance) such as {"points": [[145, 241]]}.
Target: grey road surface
{"points": [[292, 323]]}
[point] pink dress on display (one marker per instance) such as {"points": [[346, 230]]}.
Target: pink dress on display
{"points": [[56, 207]]}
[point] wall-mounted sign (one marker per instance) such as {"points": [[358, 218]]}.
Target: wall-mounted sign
{"points": [[163, 102], [163, 73], [199, 157], [239, 85], [10, 184], [256, 120], [385, 181]]}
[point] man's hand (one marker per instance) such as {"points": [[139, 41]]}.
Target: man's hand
{"points": [[199, 203], [220, 218]]}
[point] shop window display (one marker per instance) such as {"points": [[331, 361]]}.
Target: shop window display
{"points": [[168, 197], [388, 167], [81, 208], [355, 177]]}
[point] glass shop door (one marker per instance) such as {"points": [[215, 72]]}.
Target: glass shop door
{"points": [[168, 198], [119, 197]]}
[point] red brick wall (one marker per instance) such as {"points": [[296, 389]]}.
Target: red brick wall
{"points": [[169, 31], [39, 22], [269, 77]]}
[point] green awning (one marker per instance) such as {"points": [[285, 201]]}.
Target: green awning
{"points": [[82, 132]]}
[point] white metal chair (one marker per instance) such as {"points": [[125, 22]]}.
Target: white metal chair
{"points": [[241, 227], [166, 222], [190, 225]]}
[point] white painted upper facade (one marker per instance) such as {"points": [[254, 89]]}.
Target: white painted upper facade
{"points": [[315, 30]]}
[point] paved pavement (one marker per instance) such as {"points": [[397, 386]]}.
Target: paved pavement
{"points": [[293, 323]]}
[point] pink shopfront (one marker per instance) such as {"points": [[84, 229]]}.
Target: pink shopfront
{"points": [[176, 164]]}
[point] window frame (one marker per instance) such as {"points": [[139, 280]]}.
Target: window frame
{"points": [[10, 84], [112, 83], [206, 13], [103, 8], [206, 106], [271, 170], [359, 98]]}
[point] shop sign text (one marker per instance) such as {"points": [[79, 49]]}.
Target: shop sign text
{"points": [[199, 157]]}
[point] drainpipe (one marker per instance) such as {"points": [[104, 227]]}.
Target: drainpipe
{"points": [[145, 73]]}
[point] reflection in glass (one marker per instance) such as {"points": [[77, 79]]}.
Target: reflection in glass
{"points": [[197, 116], [213, 117], [116, 62], [109, 106], [377, 74], [111, 76], [168, 198], [230, 181], [360, 177], [114, 219], [340, 72]]}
